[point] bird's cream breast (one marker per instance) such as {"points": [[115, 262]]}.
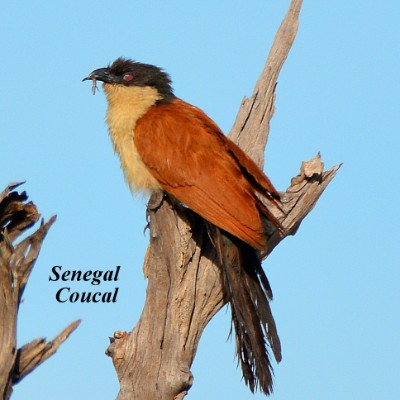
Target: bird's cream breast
{"points": [[125, 106]]}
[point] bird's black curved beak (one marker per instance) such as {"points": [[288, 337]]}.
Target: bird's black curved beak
{"points": [[101, 74]]}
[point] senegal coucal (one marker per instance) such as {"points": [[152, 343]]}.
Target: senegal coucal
{"points": [[166, 144]]}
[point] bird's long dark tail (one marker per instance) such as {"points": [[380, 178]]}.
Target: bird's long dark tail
{"points": [[249, 293]]}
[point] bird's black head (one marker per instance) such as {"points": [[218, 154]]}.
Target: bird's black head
{"points": [[127, 72]]}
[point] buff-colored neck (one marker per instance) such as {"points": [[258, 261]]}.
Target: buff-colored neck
{"points": [[126, 104]]}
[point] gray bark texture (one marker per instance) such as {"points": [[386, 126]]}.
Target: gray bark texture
{"points": [[16, 263], [184, 290]]}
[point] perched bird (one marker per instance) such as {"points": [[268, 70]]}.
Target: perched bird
{"points": [[167, 144]]}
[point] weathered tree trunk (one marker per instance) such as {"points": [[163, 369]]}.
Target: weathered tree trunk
{"points": [[185, 290], [16, 263]]}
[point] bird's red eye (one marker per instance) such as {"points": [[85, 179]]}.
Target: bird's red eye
{"points": [[127, 77]]}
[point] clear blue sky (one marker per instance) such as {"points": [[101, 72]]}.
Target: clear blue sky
{"points": [[336, 283]]}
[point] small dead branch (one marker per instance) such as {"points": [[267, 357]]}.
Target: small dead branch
{"points": [[16, 263]]}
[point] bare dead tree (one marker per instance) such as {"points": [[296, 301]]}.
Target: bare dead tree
{"points": [[16, 263], [184, 285]]}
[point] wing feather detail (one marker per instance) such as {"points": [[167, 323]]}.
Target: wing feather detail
{"points": [[196, 163]]}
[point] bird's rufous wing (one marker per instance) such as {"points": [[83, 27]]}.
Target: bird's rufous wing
{"points": [[193, 161]]}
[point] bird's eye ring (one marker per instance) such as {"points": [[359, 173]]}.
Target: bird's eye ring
{"points": [[127, 77]]}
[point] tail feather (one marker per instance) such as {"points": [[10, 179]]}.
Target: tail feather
{"points": [[249, 292]]}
